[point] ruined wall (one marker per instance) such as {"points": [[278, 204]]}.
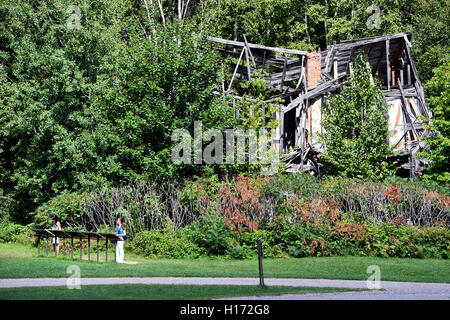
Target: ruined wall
{"points": [[397, 123], [314, 107]]}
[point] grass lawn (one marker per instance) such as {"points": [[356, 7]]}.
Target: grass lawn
{"points": [[20, 261], [153, 292]]}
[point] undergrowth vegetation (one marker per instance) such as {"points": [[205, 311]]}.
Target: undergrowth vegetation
{"points": [[294, 215]]}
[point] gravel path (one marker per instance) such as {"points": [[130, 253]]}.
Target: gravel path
{"points": [[392, 290]]}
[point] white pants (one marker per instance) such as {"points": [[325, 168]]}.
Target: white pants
{"points": [[119, 251]]}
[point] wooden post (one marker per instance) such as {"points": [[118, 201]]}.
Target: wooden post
{"points": [[81, 247], [264, 59], [281, 141], [249, 51], [97, 250], [283, 76], [115, 250], [388, 66], [261, 274], [235, 70], [408, 74], [89, 248], [335, 68], [46, 248], [248, 62], [106, 248], [64, 245], [39, 244], [71, 244]]}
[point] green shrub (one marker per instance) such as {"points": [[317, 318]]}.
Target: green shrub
{"points": [[200, 189], [411, 242], [164, 243], [68, 207], [155, 242], [269, 247], [306, 239], [213, 235], [6, 204], [11, 232], [240, 252]]}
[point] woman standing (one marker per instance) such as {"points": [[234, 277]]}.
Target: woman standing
{"points": [[121, 233], [55, 240]]}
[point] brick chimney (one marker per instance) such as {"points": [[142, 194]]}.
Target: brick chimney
{"points": [[313, 69]]}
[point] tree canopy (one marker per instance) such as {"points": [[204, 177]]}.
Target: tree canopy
{"points": [[90, 92]]}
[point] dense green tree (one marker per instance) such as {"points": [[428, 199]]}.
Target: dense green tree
{"points": [[356, 129], [430, 21], [90, 92], [309, 24], [438, 93], [92, 104]]}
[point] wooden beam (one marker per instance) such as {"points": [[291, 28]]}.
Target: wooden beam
{"points": [[283, 76], [39, 244], [97, 249], [115, 249], [256, 46], [407, 41], [281, 115], [388, 65], [347, 45], [405, 110], [249, 51], [237, 65], [408, 74], [248, 63], [64, 245], [335, 68]]}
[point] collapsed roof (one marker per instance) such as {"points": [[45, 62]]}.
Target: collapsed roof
{"points": [[304, 80]]}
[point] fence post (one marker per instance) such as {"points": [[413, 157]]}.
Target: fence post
{"points": [[39, 244], [261, 274], [97, 248]]}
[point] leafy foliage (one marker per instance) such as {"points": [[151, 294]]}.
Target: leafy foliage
{"points": [[356, 129], [12, 232], [164, 243], [438, 89]]}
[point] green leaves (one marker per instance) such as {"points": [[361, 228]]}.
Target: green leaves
{"points": [[95, 105], [356, 129], [438, 93]]}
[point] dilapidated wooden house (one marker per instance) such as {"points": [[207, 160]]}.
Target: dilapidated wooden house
{"points": [[303, 80]]}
